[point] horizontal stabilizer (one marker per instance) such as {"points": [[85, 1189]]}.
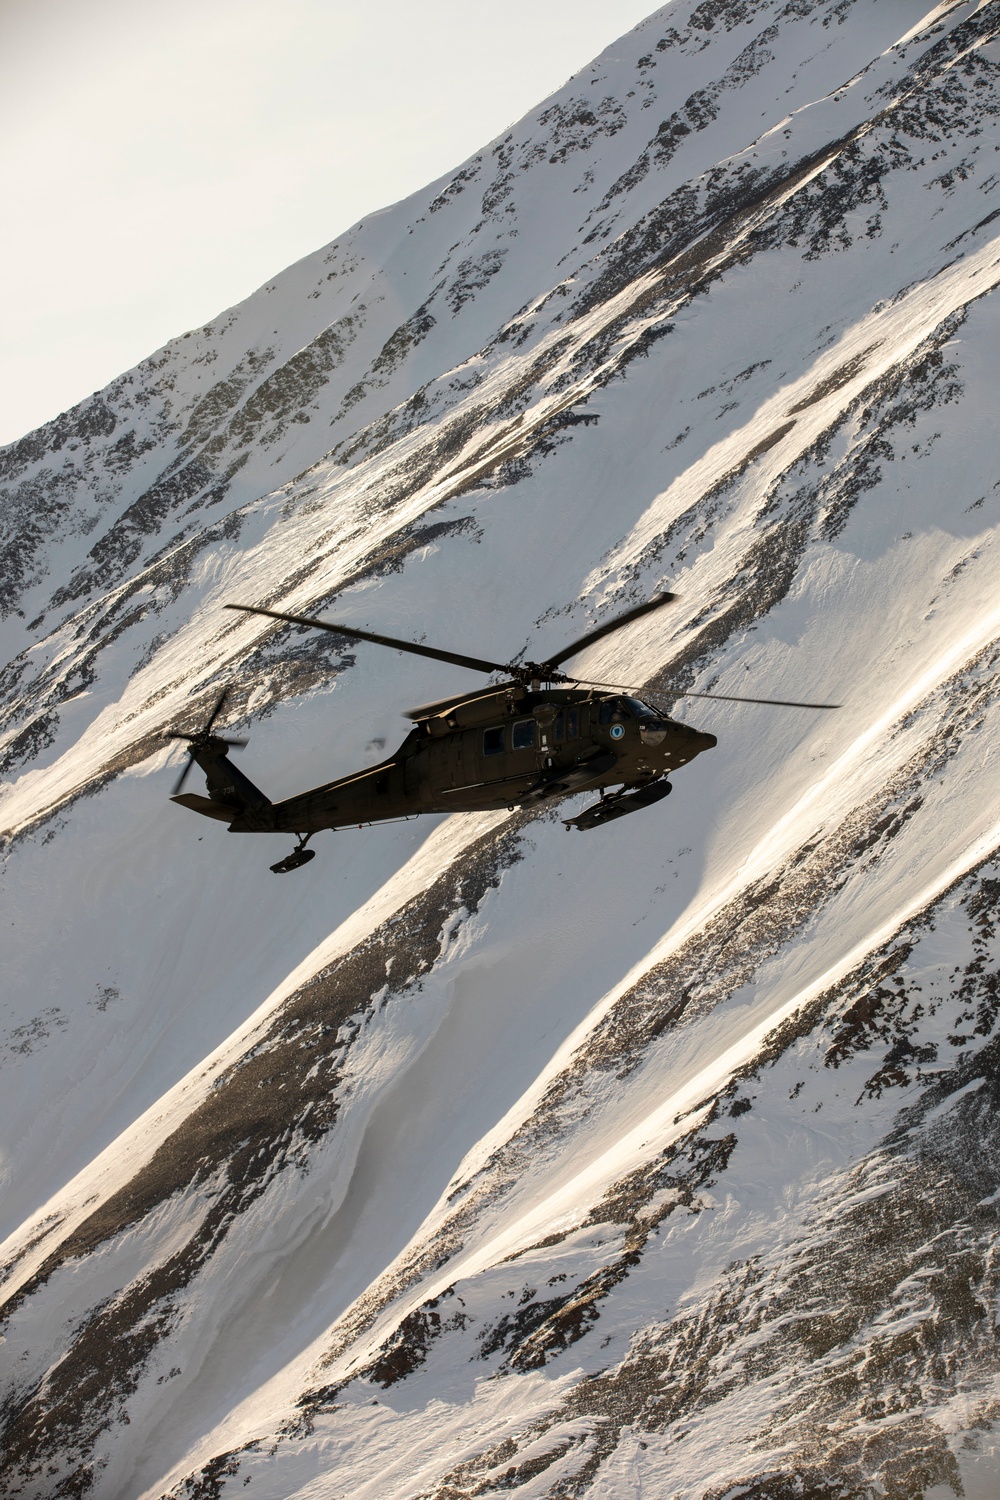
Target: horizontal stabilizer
{"points": [[207, 807]]}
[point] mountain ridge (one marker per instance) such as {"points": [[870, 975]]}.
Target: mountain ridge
{"points": [[487, 1160]]}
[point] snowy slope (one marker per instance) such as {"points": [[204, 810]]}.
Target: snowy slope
{"points": [[477, 1158]]}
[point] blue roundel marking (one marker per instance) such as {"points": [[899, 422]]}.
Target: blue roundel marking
{"points": [[617, 731]]}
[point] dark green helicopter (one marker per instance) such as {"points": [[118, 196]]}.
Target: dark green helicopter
{"points": [[529, 740]]}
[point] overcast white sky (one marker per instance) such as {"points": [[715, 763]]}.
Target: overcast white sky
{"points": [[163, 158]]}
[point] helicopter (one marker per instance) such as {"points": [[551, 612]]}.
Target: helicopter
{"points": [[531, 739]]}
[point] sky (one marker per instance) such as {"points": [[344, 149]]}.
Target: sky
{"points": [[163, 158]]}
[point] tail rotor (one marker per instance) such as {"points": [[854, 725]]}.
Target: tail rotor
{"points": [[201, 739]]}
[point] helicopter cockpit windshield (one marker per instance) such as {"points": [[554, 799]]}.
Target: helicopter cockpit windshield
{"points": [[652, 725], [640, 709], [615, 709]]}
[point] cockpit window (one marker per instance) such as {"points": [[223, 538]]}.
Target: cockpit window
{"points": [[614, 708], [523, 734], [640, 709], [493, 741]]}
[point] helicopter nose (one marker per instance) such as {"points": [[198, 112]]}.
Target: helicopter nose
{"points": [[705, 741]]}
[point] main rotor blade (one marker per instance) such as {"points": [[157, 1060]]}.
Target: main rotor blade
{"points": [[671, 692], [768, 702], [657, 601], [441, 705], [474, 663]]}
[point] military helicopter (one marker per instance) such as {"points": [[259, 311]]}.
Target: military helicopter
{"points": [[529, 740]]}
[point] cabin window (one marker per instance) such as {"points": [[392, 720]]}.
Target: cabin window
{"points": [[493, 741], [560, 729], [573, 724], [523, 734]]}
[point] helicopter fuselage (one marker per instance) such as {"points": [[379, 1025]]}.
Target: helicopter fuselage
{"points": [[506, 747], [532, 739]]}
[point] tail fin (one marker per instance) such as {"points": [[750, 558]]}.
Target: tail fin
{"points": [[232, 797]]}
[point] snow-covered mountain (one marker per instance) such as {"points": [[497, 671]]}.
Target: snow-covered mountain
{"points": [[476, 1159]]}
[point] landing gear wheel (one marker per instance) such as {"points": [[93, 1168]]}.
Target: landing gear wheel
{"points": [[299, 856]]}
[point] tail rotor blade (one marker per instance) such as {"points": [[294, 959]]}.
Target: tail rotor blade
{"points": [[201, 739], [216, 711], [183, 776]]}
